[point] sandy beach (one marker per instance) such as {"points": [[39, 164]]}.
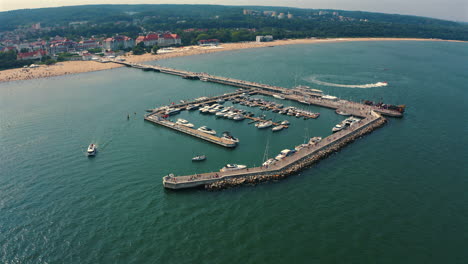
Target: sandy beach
{"points": [[73, 67]]}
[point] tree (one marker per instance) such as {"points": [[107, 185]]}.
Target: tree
{"points": [[139, 49], [24, 50], [155, 49]]}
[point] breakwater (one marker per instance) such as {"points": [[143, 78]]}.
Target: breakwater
{"points": [[297, 166]]}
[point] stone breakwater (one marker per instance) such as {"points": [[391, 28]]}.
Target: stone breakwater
{"points": [[304, 163]]}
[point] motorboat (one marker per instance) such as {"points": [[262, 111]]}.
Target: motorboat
{"points": [[207, 130], [277, 96], [92, 149], [228, 136], [184, 122], [199, 158], [172, 111], [277, 128], [315, 140], [192, 107], [337, 128], [232, 167], [264, 124], [268, 162], [343, 113], [220, 101], [285, 123], [238, 117]]}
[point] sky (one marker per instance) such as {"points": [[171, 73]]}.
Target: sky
{"points": [[455, 10]]}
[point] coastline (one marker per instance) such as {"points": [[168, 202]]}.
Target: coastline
{"points": [[73, 67]]}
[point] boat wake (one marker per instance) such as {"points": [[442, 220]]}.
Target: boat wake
{"points": [[362, 86]]}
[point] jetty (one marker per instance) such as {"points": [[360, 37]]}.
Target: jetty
{"points": [[301, 95]]}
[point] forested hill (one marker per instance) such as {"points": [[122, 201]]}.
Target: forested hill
{"points": [[134, 19]]}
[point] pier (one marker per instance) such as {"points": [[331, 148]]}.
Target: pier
{"points": [[308, 96]]}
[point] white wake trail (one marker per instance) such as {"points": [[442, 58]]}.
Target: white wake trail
{"points": [[369, 85]]}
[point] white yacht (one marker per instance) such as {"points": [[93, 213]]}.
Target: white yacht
{"points": [[91, 150], [277, 96], [264, 124], [268, 162], [337, 128], [285, 122], [172, 111], [207, 130], [184, 122], [277, 128], [227, 135], [238, 117], [232, 167]]}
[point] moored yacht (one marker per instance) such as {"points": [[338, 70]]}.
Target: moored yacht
{"points": [[233, 167], [228, 136], [184, 122], [277, 128], [277, 96], [264, 124], [207, 130], [172, 111]]}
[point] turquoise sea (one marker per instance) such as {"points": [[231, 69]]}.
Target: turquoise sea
{"points": [[398, 195]]}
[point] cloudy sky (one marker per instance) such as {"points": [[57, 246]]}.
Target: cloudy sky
{"points": [[456, 10]]}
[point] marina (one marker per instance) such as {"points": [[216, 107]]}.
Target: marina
{"points": [[365, 117]]}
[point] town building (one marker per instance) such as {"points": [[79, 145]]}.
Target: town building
{"points": [[86, 44], [264, 38], [208, 42], [118, 42], [33, 55], [166, 39]]}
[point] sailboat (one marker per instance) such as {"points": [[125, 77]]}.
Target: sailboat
{"points": [[267, 162]]}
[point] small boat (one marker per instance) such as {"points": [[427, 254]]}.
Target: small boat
{"points": [[232, 167], [285, 122], [191, 107], [172, 111], [337, 128], [265, 124], [315, 140], [92, 149], [238, 117], [220, 101], [199, 158], [269, 162], [278, 96], [227, 135], [207, 130], [277, 128], [343, 113], [184, 122]]}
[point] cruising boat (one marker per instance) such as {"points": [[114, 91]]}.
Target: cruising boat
{"points": [[343, 113], [91, 150], [315, 140], [277, 128], [172, 111], [265, 124], [337, 128], [232, 167], [227, 135], [277, 96], [207, 130], [238, 117], [184, 122], [268, 162], [192, 107], [199, 158]]}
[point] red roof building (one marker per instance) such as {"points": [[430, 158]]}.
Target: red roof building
{"points": [[33, 55], [166, 39]]}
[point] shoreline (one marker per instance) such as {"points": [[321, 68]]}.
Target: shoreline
{"points": [[74, 67]]}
